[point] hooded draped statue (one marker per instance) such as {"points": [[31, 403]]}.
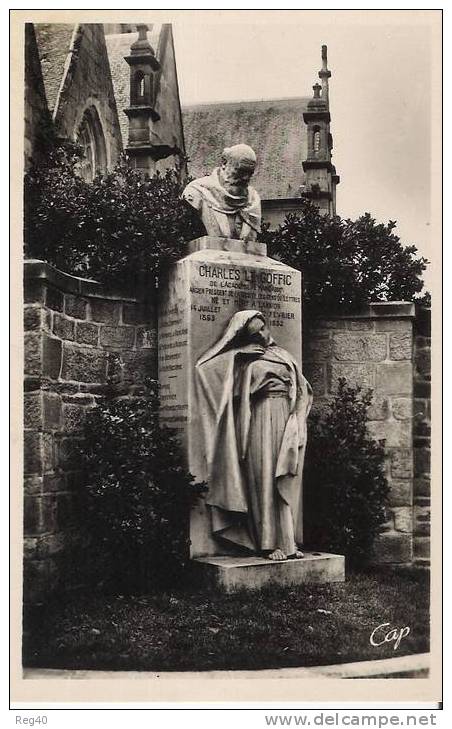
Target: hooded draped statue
{"points": [[253, 404]]}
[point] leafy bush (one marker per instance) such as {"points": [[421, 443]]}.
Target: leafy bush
{"points": [[138, 493], [346, 264], [118, 229], [345, 484]]}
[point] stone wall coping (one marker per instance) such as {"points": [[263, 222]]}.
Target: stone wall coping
{"points": [[378, 310], [35, 269]]}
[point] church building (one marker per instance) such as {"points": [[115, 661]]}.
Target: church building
{"points": [[114, 89]]}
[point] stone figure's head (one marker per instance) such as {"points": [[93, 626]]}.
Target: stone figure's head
{"points": [[258, 332], [237, 166]]}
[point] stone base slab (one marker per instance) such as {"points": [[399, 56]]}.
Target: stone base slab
{"points": [[251, 573]]}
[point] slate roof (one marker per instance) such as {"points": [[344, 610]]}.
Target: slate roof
{"points": [[54, 42], [118, 46], [274, 128]]}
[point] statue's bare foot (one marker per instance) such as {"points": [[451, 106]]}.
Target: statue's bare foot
{"points": [[296, 555], [277, 556]]}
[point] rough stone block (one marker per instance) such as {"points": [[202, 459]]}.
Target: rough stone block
{"points": [[379, 408], [315, 373], [421, 486], [359, 347], [83, 364], [139, 365], [400, 345], [421, 389], [117, 337], [252, 573], [422, 430], [421, 461], [53, 482], [421, 547], [401, 463], [329, 324], [33, 485], [87, 333], [34, 292], [105, 311], [69, 454], [38, 452], [146, 338], [401, 493], [318, 348], [39, 514], [423, 362], [394, 548], [423, 322], [359, 325], [73, 417], [63, 327], [396, 433], [357, 375], [401, 408], [134, 314], [422, 529], [393, 325], [51, 411], [32, 353], [54, 299], [75, 306], [403, 519], [320, 406], [51, 357], [32, 317], [45, 546], [33, 410], [394, 378]]}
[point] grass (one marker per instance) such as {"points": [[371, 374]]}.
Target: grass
{"points": [[185, 630]]}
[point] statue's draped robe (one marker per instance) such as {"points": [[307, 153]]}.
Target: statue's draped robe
{"points": [[254, 441], [224, 215]]}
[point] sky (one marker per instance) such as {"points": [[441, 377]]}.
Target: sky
{"points": [[380, 97]]}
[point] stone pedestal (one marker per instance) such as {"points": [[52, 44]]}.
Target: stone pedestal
{"points": [[217, 278], [237, 573]]}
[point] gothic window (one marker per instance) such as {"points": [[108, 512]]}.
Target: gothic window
{"points": [[91, 139]]}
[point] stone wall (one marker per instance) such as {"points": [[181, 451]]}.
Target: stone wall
{"points": [[77, 335], [422, 435], [375, 350]]}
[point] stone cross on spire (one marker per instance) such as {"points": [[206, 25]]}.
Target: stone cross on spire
{"points": [[324, 75]]}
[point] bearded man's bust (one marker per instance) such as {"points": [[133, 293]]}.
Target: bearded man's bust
{"points": [[227, 204]]}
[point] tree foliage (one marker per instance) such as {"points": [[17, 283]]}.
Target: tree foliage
{"points": [[346, 264], [138, 492], [115, 229], [344, 483]]}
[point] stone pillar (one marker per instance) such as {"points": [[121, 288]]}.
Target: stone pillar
{"points": [[217, 278]]}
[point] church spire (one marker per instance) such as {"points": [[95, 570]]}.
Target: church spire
{"points": [[324, 75], [320, 174]]}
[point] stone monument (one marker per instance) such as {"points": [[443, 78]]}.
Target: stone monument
{"points": [[232, 386]]}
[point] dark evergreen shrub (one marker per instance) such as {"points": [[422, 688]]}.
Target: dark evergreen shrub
{"points": [[119, 229], [346, 264], [138, 495], [345, 486]]}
